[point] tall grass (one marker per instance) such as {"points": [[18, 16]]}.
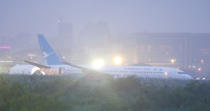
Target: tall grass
{"points": [[64, 93]]}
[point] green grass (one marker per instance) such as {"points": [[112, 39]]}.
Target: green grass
{"points": [[64, 93], [4, 69]]}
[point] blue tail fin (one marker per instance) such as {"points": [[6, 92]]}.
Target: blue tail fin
{"points": [[49, 54]]}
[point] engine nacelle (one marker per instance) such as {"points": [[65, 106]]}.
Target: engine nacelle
{"points": [[26, 70]]}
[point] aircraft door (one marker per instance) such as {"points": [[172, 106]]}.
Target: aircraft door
{"points": [[61, 70]]}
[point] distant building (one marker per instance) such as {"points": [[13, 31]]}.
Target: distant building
{"points": [[186, 50]]}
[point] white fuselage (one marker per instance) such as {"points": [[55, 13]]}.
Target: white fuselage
{"points": [[23, 69], [138, 71], [146, 72], [115, 71]]}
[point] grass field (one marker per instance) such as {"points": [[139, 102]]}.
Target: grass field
{"points": [[64, 93]]}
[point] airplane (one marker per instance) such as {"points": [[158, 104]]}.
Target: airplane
{"points": [[56, 66]]}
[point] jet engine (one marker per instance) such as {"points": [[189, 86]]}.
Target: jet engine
{"points": [[26, 70]]}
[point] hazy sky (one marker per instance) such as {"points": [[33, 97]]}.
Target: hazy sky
{"points": [[42, 16]]}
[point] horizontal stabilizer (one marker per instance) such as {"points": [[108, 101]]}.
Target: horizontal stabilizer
{"points": [[36, 64]]}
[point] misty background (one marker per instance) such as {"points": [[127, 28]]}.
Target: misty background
{"points": [[141, 31], [43, 16]]}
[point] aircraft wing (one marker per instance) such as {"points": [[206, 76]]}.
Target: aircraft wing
{"points": [[73, 65], [84, 69], [36, 64]]}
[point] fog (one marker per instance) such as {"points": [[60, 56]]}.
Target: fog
{"points": [[43, 16], [141, 31]]}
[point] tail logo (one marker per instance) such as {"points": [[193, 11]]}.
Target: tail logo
{"points": [[48, 53], [45, 54]]}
